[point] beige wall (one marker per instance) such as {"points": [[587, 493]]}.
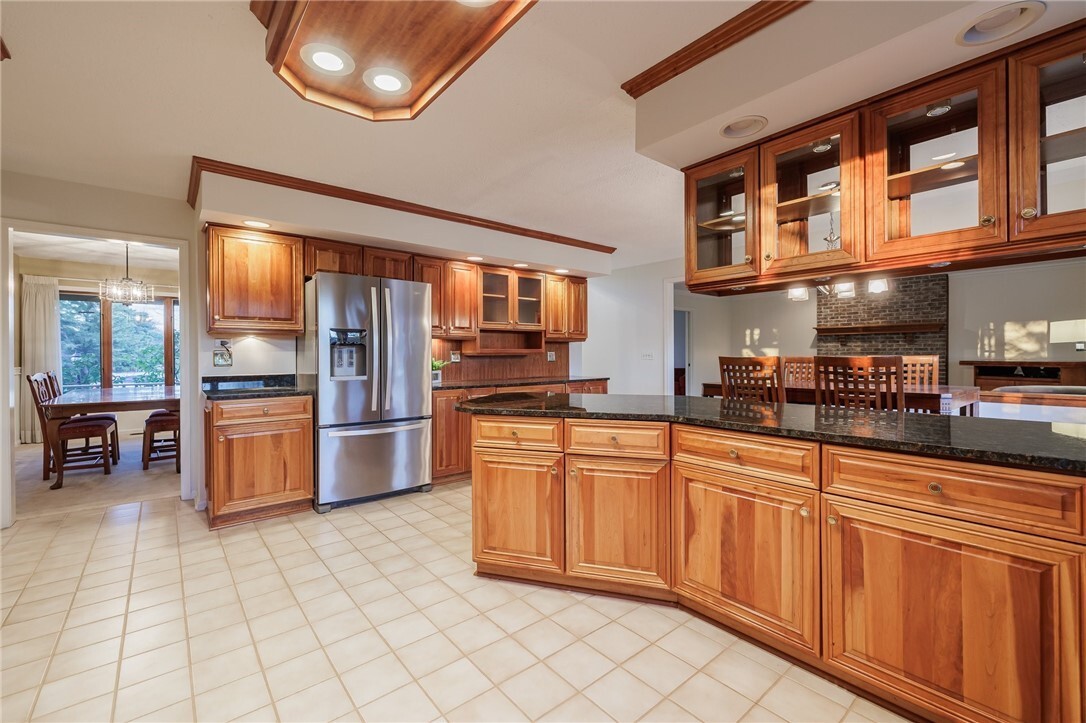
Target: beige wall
{"points": [[768, 324], [1005, 313], [710, 334]]}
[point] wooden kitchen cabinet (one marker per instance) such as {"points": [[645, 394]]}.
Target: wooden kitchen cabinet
{"points": [[325, 255], [259, 459], [451, 456], [812, 198], [597, 386], [511, 299], [748, 550], [254, 282], [454, 296], [518, 504], [567, 308], [937, 160], [721, 219], [387, 264], [975, 623], [617, 520], [1048, 139]]}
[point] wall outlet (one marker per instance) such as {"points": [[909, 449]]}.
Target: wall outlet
{"points": [[646, 356], [454, 357], [550, 356], [1080, 346]]}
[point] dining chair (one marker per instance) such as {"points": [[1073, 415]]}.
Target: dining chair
{"points": [[753, 378], [55, 391], [90, 456], [155, 449], [859, 382], [920, 370], [798, 371]]}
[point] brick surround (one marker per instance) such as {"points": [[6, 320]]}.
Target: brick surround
{"points": [[911, 300]]}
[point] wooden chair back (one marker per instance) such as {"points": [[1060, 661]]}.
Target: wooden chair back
{"points": [[798, 371], [54, 383], [754, 378], [859, 382], [40, 391], [920, 369]]}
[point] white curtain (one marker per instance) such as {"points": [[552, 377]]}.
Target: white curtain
{"points": [[41, 345]]}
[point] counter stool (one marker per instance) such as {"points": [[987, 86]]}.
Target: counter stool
{"points": [[154, 449]]}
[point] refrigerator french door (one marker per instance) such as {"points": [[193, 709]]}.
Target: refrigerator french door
{"points": [[366, 357]]}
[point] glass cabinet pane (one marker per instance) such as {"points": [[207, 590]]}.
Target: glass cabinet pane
{"points": [[808, 212], [495, 298], [932, 163], [1062, 135], [529, 300], [722, 220]]}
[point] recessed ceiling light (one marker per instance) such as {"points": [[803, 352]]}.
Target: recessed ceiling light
{"points": [[944, 157], [1002, 22], [952, 165], [939, 108], [748, 125], [387, 80], [327, 59], [561, 271], [939, 265], [822, 146], [475, 258], [256, 224], [520, 266]]}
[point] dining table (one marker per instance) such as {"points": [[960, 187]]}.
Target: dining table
{"points": [[91, 400], [925, 398]]}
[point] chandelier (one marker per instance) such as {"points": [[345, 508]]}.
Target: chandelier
{"points": [[126, 291]]}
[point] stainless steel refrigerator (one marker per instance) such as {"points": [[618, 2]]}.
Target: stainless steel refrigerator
{"points": [[366, 358]]}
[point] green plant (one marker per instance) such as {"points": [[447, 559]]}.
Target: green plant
{"points": [[436, 364]]}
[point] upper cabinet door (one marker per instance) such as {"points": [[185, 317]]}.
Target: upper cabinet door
{"points": [[387, 264], [432, 272], [557, 307], [812, 198], [461, 300], [936, 160], [721, 219], [529, 304], [254, 282], [496, 287], [1048, 140], [324, 255], [577, 308]]}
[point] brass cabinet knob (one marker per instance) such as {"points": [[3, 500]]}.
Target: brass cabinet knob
{"points": [[1029, 212], [614, 438], [747, 259], [804, 512], [733, 453], [222, 438], [987, 220], [768, 256], [935, 488], [265, 410], [573, 472], [515, 434], [217, 317], [554, 470], [832, 520]]}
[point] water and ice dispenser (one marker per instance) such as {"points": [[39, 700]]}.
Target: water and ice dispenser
{"points": [[348, 353]]}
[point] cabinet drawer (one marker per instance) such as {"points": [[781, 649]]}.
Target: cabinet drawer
{"points": [[517, 433], [251, 410], [1036, 502], [783, 460], [626, 439]]}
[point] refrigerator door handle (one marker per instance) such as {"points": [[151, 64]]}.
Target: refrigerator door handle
{"points": [[388, 347], [368, 432], [375, 352]]}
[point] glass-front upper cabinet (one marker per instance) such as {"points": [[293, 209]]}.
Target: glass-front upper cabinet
{"points": [[1048, 139], [936, 157], [721, 219], [812, 198]]}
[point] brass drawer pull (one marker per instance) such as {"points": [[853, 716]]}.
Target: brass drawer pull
{"points": [[832, 520], [554, 470], [265, 410], [733, 453], [987, 220], [222, 438], [1029, 212], [768, 257], [804, 512], [573, 472], [747, 259], [614, 438], [935, 488], [515, 434]]}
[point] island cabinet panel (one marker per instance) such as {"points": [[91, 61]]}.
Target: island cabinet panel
{"points": [[972, 623], [518, 432], [749, 550], [1016, 499], [254, 282], [781, 460], [617, 438], [517, 504], [324, 255], [617, 520], [598, 386]]}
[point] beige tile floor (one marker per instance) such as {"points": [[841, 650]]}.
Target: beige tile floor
{"points": [[137, 612]]}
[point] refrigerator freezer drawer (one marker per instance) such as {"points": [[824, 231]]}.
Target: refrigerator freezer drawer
{"points": [[372, 459]]}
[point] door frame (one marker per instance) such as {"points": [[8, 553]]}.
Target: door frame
{"points": [[190, 335], [688, 315], [668, 305]]}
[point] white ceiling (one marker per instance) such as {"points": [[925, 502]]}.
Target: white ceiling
{"points": [[537, 133], [107, 252]]}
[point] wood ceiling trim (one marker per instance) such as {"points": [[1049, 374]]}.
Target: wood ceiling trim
{"points": [[757, 17], [248, 173]]}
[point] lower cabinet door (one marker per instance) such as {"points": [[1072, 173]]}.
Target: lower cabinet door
{"points": [[617, 520], [973, 623], [748, 549], [451, 453], [517, 508], [258, 465]]}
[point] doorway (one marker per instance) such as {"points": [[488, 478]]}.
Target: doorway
{"points": [[681, 351]]}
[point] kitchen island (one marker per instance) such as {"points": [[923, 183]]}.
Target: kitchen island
{"points": [[938, 562]]}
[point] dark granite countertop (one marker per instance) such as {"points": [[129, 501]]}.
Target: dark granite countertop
{"points": [[264, 393], [515, 382], [1054, 446], [239, 386]]}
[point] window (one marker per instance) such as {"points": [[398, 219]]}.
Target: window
{"points": [[113, 345]]}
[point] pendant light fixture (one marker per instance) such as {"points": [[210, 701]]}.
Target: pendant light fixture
{"points": [[126, 291]]}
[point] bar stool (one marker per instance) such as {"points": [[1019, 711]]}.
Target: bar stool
{"points": [[154, 449]]}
